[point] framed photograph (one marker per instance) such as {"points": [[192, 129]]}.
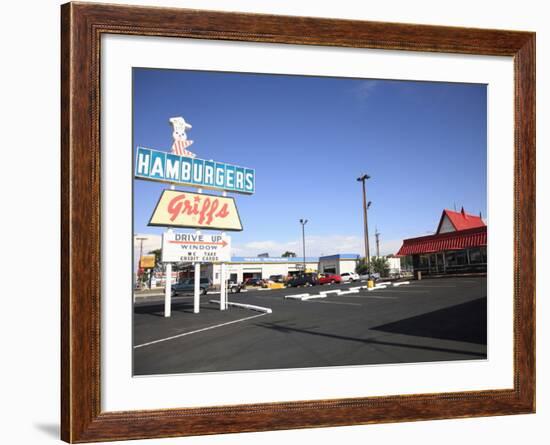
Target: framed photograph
{"points": [[275, 222]]}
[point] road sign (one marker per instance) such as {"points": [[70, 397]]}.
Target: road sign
{"points": [[190, 247], [177, 169], [196, 210], [147, 262]]}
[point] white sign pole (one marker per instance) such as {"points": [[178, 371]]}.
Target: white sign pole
{"points": [[223, 289], [168, 281], [197, 295], [168, 291], [197, 282]]}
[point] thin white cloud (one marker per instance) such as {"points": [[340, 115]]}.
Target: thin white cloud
{"points": [[366, 88], [316, 246]]}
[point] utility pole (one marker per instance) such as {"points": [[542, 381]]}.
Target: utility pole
{"points": [[140, 239], [366, 206], [303, 222], [377, 235]]}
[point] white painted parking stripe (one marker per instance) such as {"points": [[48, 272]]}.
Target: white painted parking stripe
{"points": [[370, 296], [432, 287], [335, 302], [297, 296], [199, 330]]}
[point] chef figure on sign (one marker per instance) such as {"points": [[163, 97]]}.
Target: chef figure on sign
{"points": [[179, 147]]}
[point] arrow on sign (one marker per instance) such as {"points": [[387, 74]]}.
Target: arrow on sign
{"points": [[223, 243]]}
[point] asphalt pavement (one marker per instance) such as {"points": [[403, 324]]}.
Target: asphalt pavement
{"points": [[424, 321]]}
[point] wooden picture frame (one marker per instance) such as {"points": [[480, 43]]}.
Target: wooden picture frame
{"points": [[82, 26]]}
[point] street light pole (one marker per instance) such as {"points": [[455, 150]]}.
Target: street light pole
{"points": [[303, 222], [140, 254], [366, 205]]}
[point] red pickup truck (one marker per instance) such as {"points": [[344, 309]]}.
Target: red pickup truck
{"points": [[329, 278]]}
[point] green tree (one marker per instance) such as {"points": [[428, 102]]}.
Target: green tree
{"points": [[288, 254], [379, 265], [361, 267]]}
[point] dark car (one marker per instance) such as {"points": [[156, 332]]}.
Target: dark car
{"points": [[277, 278], [253, 282], [188, 287], [307, 279]]}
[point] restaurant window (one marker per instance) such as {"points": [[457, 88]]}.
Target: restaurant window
{"points": [[450, 258], [461, 258], [484, 254], [475, 256]]}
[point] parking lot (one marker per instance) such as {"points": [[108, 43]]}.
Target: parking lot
{"points": [[429, 320]]}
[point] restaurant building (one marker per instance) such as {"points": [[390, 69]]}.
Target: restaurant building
{"points": [[458, 246]]}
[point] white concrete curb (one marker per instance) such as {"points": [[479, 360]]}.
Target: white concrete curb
{"points": [[400, 283], [349, 292], [246, 306], [313, 296], [375, 288], [297, 296]]}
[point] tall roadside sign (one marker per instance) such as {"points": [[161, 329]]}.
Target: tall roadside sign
{"points": [[194, 210]]}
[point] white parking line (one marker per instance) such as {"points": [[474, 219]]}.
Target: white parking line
{"points": [[199, 330], [370, 296], [334, 302], [432, 287]]}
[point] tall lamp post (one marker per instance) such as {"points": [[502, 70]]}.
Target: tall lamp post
{"points": [[140, 239], [366, 205], [303, 222]]}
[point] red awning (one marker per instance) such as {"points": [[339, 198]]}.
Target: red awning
{"points": [[461, 239]]}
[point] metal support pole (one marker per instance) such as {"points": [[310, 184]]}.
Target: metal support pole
{"points": [[168, 281], [140, 239], [365, 218], [303, 222], [304, 245], [223, 288], [223, 277], [168, 291], [197, 280], [197, 293]]}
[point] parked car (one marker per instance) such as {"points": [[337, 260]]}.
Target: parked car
{"points": [[307, 279], [373, 276], [277, 278], [234, 287], [349, 276], [188, 286], [329, 278], [253, 282]]}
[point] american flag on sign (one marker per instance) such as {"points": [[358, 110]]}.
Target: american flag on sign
{"points": [[179, 147]]}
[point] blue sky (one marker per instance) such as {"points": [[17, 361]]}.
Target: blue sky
{"points": [[309, 138]]}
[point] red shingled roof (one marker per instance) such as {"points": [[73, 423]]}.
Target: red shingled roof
{"points": [[461, 220], [462, 239]]}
